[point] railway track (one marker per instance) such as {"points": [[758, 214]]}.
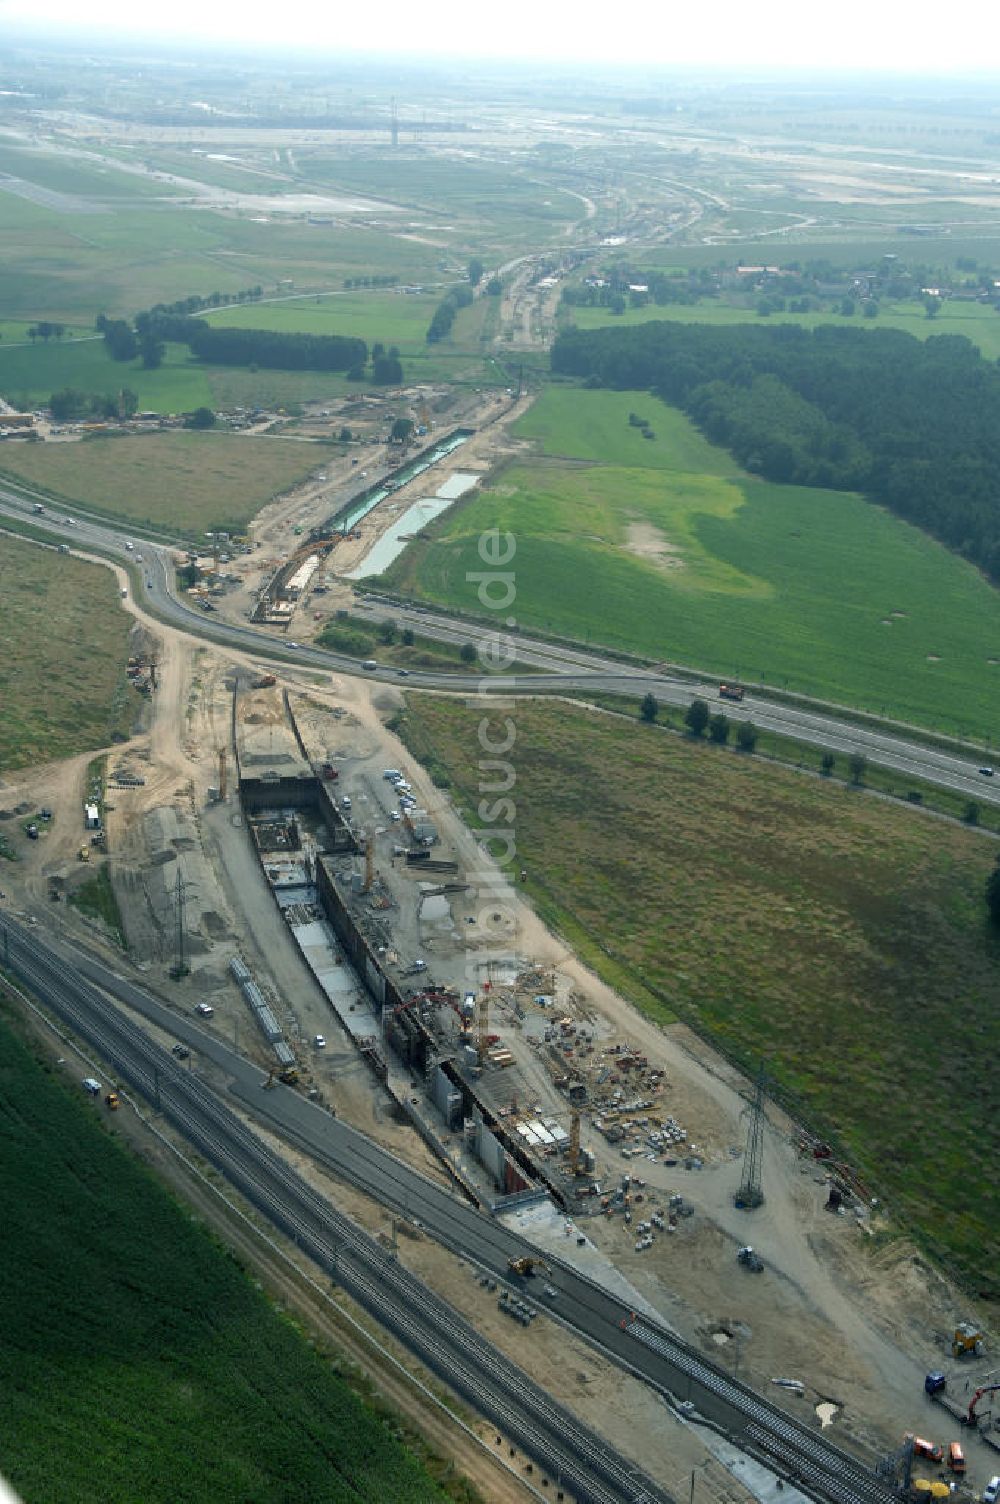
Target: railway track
{"points": [[571, 1455], [822, 1470]]}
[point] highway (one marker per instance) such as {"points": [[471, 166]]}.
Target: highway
{"points": [[560, 669], [69, 983]]}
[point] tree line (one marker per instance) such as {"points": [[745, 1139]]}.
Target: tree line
{"points": [[915, 424], [271, 349]]}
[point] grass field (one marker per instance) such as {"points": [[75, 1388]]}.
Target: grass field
{"points": [[186, 482], [63, 651], [139, 1362], [393, 318], [31, 373], [784, 917], [813, 591], [977, 322]]}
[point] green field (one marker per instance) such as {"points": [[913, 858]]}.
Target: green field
{"points": [[976, 321], [840, 937], [64, 641], [31, 373], [814, 591], [182, 481], [139, 1362], [388, 317]]}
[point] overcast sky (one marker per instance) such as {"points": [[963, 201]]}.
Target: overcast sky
{"points": [[857, 34]]}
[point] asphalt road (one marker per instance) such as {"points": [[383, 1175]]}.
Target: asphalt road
{"points": [[69, 983], [560, 669]]}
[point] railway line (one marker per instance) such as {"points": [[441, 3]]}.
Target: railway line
{"points": [[572, 1455], [76, 989]]}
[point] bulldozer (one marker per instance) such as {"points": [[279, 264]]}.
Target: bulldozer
{"points": [[525, 1265], [967, 1339]]}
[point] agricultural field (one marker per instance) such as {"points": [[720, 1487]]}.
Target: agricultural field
{"points": [[662, 548], [186, 482], [977, 322], [63, 651], [389, 317], [784, 918], [137, 1345]]}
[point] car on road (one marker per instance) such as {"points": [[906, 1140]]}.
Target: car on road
{"points": [[205, 1009], [180, 1050], [295, 644], [345, 803], [404, 673], [986, 772], [991, 1493], [129, 544], [319, 1042]]}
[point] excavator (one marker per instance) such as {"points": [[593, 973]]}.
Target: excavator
{"points": [[526, 1265], [289, 1077], [971, 1419]]}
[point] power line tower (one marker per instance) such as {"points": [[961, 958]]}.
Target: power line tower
{"points": [[180, 967], [751, 1191]]}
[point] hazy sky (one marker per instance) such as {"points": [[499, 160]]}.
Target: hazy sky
{"points": [[856, 34]]}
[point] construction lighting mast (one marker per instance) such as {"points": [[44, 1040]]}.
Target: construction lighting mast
{"points": [[180, 967], [751, 1191]]}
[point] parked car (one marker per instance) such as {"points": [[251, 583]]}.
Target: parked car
{"points": [[205, 1009], [180, 1050], [991, 1493], [319, 1042]]}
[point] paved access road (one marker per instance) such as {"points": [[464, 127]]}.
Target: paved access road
{"points": [[561, 669], [69, 983]]}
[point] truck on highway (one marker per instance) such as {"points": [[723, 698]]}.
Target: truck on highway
{"points": [[731, 691]]}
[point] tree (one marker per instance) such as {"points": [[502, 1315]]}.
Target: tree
{"points": [[857, 763], [401, 430], [746, 736], [345, 436], [386, 632], [494, 287], [827, 763], [971, 815], [406, 637], [649, 709], [386, 371], [378, 350], [475, 271], [718, 728], [152, 351], [993, 894], [696, 717], [467, 652], [932, 306], [202, 417]]}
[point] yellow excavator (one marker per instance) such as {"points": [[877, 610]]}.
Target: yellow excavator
{"points": [[289, 1076], [525, 1265]]}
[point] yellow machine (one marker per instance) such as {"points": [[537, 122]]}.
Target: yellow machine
{"points": [[525, 1265], [967, 1339], [113, 1100], [85, 853]]}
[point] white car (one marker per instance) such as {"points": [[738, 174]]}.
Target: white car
{"points": [[991, 1493], [319, 1042], [205, 1009]]}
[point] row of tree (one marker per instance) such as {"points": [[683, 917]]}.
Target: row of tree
{"points": [[444, 313], [914, 424], [70, 406]]}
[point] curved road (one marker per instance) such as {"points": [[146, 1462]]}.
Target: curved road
{"points": [[560, 669]]}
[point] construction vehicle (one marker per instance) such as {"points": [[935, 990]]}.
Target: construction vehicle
{"points": [[749, 1259], [967, 1339], [264, 682], [113, 1101], [84, 853], [289, 1076], [971, 1418], [731, 691], [526, 1265]]}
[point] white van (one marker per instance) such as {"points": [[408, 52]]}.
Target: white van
{"points": [[94, 1087]]}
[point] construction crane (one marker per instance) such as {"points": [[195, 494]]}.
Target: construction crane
{"points": [[575, 1143], [483, 1022], [369, 859]]}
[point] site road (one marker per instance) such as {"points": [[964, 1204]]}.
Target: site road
{"points": [[561, 669], [76, 986]]}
